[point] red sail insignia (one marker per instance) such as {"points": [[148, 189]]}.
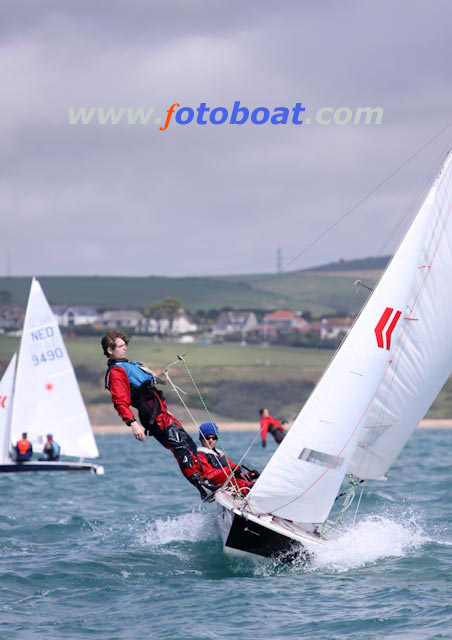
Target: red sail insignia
{"points": [[384, 332]]}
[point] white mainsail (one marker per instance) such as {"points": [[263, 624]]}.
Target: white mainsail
{"points": [[47, 397], [6, 404], [423, 362], [302, 478]]}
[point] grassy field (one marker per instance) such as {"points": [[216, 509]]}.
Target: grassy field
{"points": [[234, 380]]}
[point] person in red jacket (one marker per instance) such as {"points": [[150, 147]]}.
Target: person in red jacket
{"points": [[24, 449], [217, 467], [133, 384], [271, 425]]}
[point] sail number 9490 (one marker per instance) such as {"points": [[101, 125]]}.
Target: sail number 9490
{"points": [[46, 356]]}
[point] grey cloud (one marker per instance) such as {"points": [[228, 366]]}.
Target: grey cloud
{"points": [[208, 199]]}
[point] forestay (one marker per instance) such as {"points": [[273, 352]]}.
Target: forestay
{"points": [[423, 360], [6, 404], [47, 397], [302, 479]]}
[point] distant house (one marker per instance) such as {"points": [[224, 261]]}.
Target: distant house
{"points": [[74, 316], [335, 328], [281, 322], [234, 322], [180, 325], [121, 318], [11, 318]]}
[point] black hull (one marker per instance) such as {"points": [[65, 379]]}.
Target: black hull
{"points": [[248, 537], [46, 466]]}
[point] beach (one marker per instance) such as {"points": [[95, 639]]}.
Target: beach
{"points": [[253, 426]]}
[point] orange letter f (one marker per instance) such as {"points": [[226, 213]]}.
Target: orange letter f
{"points": [[170, 113]]}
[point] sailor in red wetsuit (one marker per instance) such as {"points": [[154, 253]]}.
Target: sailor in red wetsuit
{"points": [[131, 383], [217, 467], [271, 425]]}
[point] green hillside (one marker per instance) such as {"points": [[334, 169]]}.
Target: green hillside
{"points": [[320, 294]]}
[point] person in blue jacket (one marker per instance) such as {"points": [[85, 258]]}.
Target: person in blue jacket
{"points": [[51, 449]]}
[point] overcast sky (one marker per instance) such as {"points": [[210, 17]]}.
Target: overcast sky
{"points": [[199, 200]]}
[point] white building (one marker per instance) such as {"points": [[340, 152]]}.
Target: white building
{"points": [[181, 325], [121, 318], [234, 322], [74, 316]]}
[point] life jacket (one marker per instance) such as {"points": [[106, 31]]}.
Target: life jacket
{"points": [[23, 447], [55, 449], [134, 372], [142, 390]]}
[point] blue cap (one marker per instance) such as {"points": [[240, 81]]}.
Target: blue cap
{"points": [[208, 429], [49, 435]]}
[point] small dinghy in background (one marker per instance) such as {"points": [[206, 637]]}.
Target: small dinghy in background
{"points": [[370, 399], [39, 394]]}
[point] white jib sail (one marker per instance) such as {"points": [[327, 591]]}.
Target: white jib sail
{"points": [[47, 397], [423, 361], [6, 404], [302, 478]]}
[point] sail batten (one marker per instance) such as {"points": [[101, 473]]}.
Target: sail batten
{"points": [[361, 391]]}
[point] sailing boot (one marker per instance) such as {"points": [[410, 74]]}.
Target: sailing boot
{"points": [[205, 488]]}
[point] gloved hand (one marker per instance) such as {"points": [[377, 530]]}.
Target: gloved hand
{"points": [[237, 472], [253, 474], [205, 488], [264, 444]]}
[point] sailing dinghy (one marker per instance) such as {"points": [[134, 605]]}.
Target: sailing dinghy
{"points": [[370, 399], [39, 394]]}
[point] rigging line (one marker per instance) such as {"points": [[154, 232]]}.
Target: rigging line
{"points": [[359, 500], [182, 359], [427, 180], [176, 389], [364, 198]]}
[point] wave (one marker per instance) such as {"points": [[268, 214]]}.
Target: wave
{"points": [[195, 526], [372, 539]]}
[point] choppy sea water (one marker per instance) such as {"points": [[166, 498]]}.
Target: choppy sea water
{"points": [[133, 554]]}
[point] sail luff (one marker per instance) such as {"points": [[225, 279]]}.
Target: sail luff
{"points": [[6, 405], [302, 478]]}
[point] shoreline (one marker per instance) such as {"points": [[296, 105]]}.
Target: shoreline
{"points": [[253, 426]]}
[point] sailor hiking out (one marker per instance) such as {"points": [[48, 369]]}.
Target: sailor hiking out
{"points": [[132, 384], [271, 425], [217, 467]]}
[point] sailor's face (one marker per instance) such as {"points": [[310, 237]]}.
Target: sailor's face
{"points": [[120, 350], [210, 441]]}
